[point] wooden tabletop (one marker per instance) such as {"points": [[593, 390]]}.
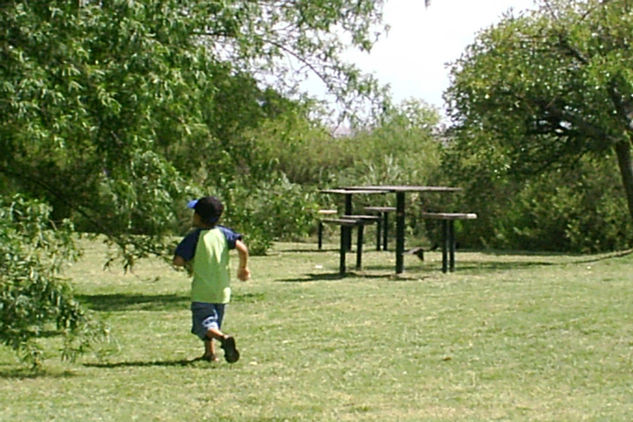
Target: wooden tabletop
{"points": [[380, 209], [405, 188], [346, 191], [449, 215]]}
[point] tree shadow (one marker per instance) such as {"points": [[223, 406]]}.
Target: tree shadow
{"points": [[314, 277], [145, 364], [543, 259], [24, 373], [614, 255], [545, 254], [428, 269], [120, 302], [364, 274], [494, 265]]}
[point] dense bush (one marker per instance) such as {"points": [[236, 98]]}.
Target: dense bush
{"points": [[581, 210], [400, 148], [577, 209], [303, 150], [268, 210]]}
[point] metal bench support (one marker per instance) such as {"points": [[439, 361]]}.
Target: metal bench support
{"points": [[346, 226], [320, 226], [347, 223], [382, 228]]}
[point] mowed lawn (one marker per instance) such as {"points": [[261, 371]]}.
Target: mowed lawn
{"points": [[509, 336]]}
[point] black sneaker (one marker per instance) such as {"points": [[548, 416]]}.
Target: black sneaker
{"points": [[230, 351]]}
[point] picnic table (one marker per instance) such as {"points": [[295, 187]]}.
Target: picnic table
{"points": [[400, 191], [348, 207], [347, 193]]}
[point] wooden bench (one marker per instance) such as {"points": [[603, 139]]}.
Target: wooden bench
{"points": [[365, 219], [323, 212], [382, 224], [448, 230], [347, 222]]}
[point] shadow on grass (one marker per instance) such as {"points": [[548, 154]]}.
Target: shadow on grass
{"points": [[429, 270], [145, 364], [620, 254], [305, 278], [546, 255], [541, 259], [24, 373], [314, 277], [120, 302], [494, 265]]}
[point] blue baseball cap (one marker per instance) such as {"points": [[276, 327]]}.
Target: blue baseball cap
{"points": [[209, 208]]}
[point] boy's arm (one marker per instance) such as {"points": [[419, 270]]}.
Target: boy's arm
{"points": [[243, 273], [178, 261], [186, 250]]}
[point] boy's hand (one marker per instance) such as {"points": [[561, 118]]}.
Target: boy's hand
{"points": [[243, 273]]}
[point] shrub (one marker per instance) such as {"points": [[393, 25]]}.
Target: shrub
{"points": [[580, 208], [271, 210]]}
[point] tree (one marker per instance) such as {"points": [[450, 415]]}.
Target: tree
{"points": [[112, 109], [547, 88], [103, 102], [33, 297]]}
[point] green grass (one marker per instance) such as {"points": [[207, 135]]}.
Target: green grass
{"points": [[509, 336]]}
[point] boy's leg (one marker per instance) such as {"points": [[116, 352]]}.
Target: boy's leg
{"points": [[215, 333], [209, 346], [207, 320], [231, 354], [209, 351]]}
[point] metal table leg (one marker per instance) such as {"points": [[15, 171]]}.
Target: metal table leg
{"points": [[348, 230], [343, 250], [451, 245], [359, 246], [399, 232], [445, 245]]}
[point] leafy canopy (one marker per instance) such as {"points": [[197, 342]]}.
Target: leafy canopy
{"points": [[116, 111], [549, 87], [113, 107], [541, 102]]}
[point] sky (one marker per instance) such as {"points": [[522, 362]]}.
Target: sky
{"points": [[411, 58]]}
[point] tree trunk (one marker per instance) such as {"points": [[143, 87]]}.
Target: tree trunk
{"points": [[623, 151]]}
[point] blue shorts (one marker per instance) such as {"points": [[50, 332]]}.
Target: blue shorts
{"points": [[205, 316]]}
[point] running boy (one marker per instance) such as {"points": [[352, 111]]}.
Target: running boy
{"points": [[205, 251]]}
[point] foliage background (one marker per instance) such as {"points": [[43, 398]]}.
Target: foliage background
{"points": [[542, 128]]}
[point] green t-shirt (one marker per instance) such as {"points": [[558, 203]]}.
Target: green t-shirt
{"points": [[211, 278]]}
